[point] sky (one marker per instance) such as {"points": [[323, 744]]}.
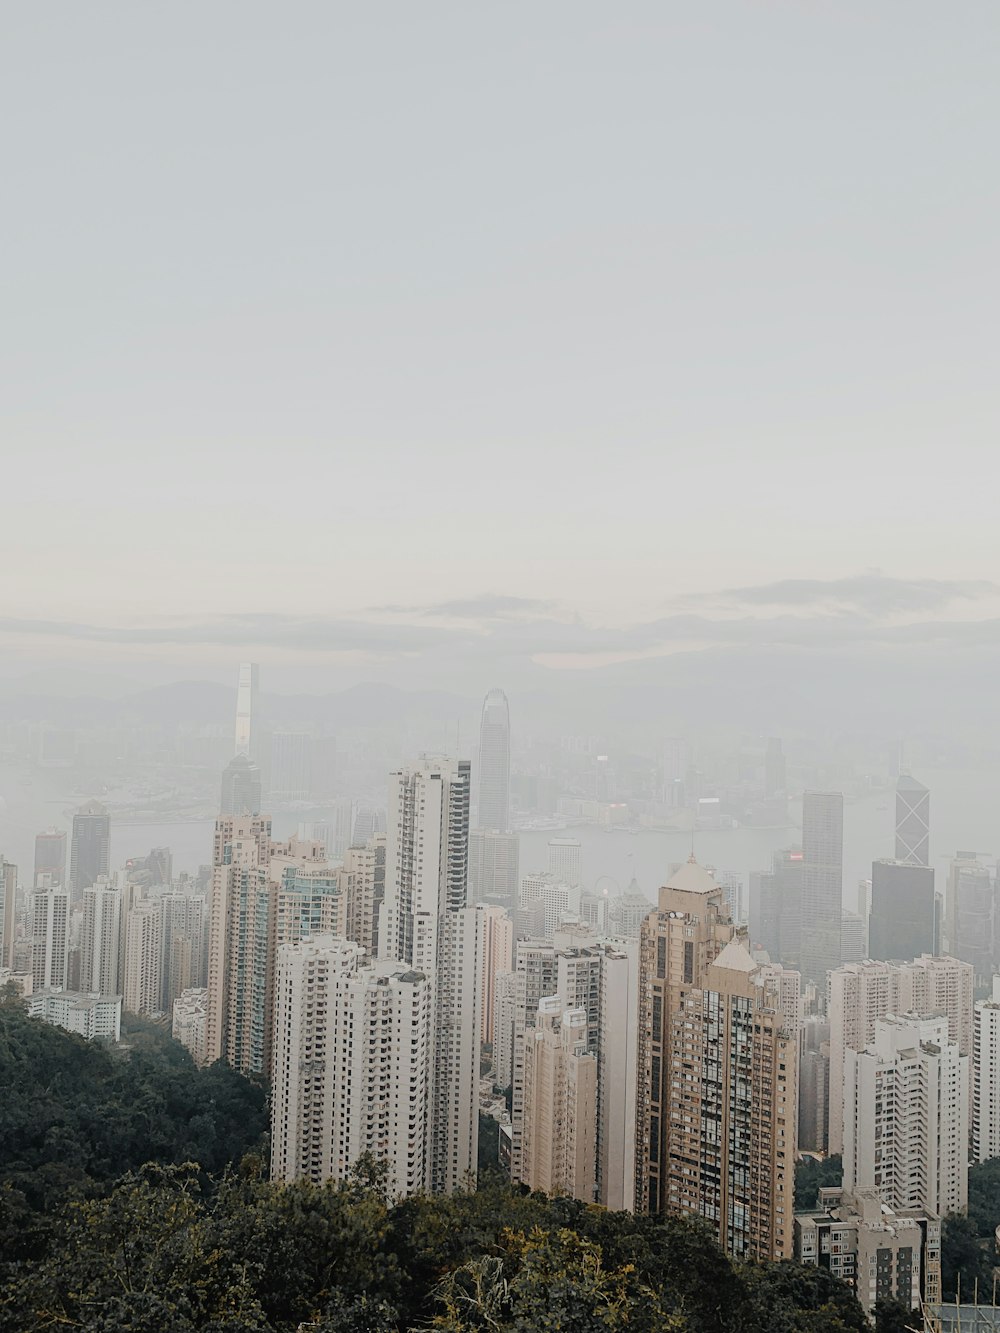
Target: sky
{"points": [[571, 331]]}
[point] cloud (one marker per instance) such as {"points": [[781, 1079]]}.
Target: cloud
{"points": [[487, 606], [872, 594], [307, 633], [823, 627]]}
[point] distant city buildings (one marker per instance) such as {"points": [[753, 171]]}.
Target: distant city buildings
{"points": [[50, 856], [913, 821], [247, 689], [493, 807], [241, 787], [972, 918], [90, 848], [776, 907], [565, 860], [904, 915], [822, 884], [493, 868]]}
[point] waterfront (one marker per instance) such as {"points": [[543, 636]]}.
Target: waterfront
{"points": [[964, 814]]}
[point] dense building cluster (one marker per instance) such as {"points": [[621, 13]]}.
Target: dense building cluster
{"points": [[395, 975]]}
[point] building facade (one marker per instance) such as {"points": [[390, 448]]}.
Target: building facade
{"points": [[559, 1133], [680, 938], [425, 923], [352, 1068], [732, 1108], [48, 911], [862, 993], [906, 1116]]}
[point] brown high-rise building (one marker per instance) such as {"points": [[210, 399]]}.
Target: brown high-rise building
{"points": [[560, 1103], [732, 1108], [679, 939]]}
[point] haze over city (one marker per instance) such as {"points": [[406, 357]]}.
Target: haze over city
{"points": [[499, 632]]}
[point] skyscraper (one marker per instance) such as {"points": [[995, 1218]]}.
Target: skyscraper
{"points": [[241, 787], [8, 912], [971, 916], [246, 709], [50, 856], [493, 868], [986, 1078], [903, 921], [425, 922], [862, 993], [90, 850], [240, 945], [101, 939], [906, 1116], [822, 884], [496, 947], [144, 958], [49, 918], [560, 1104], [363, 885], [291, 766], [352, 1065], [776, 907], [565, 860], [913, 821], [679, 939], [732, 1107], [494, 763]]}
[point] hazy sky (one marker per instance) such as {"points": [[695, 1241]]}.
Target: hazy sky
{"points": [[312, 308]]}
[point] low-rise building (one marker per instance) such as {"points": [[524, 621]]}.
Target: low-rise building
{"points": [[190, 1018], [88, 1015], [884, 1253]]}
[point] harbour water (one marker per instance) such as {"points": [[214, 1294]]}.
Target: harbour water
{"points": [[965, 812]]}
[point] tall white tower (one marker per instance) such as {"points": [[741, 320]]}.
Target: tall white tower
{"points": [[425, 922], [352, 1043], [49, 938], [101, 942], [246, 708], [906, 1116]]}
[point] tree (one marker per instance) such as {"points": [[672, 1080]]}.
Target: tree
{"points": [[812, 1175], [964, 1256], [893, 1317], [984, 1196]]}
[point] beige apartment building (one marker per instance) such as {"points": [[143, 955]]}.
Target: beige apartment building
{"points": [[680, 938], [559, 1136]]}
